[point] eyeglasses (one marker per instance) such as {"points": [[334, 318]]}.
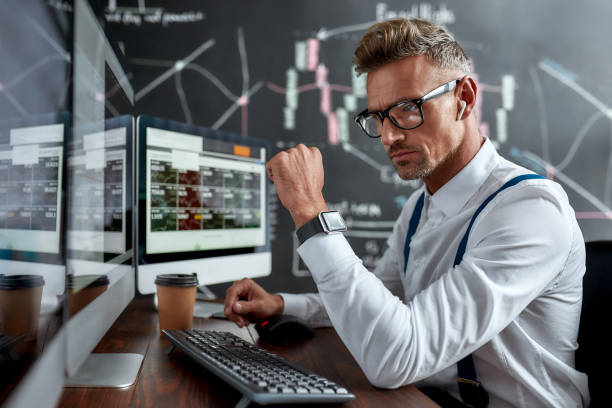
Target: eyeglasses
{"points": [[406, 114]]}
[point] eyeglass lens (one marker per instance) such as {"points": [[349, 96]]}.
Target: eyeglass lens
{"points": [[406, 115]]}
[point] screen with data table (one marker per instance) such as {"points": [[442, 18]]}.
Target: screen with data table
{"points": [[203, 194]]}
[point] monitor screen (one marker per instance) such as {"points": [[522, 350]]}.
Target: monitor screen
{"points": [[204, 198], [31, 158], [203, 194], [31, 200]]}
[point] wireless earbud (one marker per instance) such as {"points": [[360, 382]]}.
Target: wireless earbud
{"points": [[463, 105]]}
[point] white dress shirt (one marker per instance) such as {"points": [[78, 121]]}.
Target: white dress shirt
{"points": [[513, 302]]}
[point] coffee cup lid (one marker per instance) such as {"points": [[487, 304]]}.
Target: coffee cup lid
{"points": [[86, 281], [177, 280], [11, 282]]}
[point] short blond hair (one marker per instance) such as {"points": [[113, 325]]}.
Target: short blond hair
{"points": [[392, 40]]}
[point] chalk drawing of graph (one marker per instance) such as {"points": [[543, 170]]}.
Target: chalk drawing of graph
{"points": [[9, 87], [175, 69], [544, 166]]}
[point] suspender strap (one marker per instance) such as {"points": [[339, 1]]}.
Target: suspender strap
{"points": [[412, 226], [512, 182], [471, 390]]}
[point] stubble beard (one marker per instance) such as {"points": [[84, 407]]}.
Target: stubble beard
{"points": [[408, 170], [423, 168]]}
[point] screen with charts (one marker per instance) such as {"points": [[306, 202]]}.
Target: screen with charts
{"points": [[99, 178], [30, 188], [203, 193]]}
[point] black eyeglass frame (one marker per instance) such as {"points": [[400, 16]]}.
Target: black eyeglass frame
{"points": [[439, 91]]}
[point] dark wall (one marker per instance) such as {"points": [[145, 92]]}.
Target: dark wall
{"points": [[543, 68]]}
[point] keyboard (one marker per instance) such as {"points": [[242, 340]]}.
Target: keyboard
{"points": [[260, 376]]}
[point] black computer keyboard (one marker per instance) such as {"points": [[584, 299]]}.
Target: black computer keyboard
{"points": [[259, 375]]}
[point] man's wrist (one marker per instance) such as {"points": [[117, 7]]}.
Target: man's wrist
{"points": [[280, 304], [304, 215]]}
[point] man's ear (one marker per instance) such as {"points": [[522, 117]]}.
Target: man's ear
{"points": [[467, 96]]}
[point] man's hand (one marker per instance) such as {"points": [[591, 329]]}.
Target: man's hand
{"points": [[298, 176], [246, 301]]}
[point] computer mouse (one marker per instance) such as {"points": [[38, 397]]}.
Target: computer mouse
{"points": [[283, 328]]}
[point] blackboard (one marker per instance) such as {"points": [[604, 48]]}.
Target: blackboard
{"points": [[281, 70]]}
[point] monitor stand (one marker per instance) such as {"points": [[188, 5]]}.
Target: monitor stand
{"points": [[203, 293], [207, 304], [107, 370]]}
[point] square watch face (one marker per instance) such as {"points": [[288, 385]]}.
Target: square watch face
{"points": [[334, 221]]}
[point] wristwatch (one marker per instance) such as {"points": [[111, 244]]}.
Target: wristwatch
{"points": [[328, 222]]}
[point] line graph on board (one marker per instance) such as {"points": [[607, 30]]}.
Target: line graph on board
{"points": [[544, 166], [56, 59], [54, 54]]}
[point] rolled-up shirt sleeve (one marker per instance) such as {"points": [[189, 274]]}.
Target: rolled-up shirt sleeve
{"points": [[517, 246]]}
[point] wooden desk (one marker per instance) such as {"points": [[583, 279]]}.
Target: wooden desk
{"points": [[177, 381]]}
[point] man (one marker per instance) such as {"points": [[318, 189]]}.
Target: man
{"points": [[479, 292]]}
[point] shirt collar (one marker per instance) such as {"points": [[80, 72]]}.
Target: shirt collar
{"points": [[453, 195]]}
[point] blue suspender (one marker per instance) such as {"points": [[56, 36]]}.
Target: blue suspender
{"points": [[471, 390], [512, 182], [414, 223]]}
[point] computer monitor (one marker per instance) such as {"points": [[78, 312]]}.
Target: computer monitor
{"points": [[34, 87], [32, 258], [100, 202], [31, 182], [203, 203]]}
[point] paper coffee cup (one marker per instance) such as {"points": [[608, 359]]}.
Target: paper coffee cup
{"points": [[20, 297], [175, 300], [84, 289]]}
